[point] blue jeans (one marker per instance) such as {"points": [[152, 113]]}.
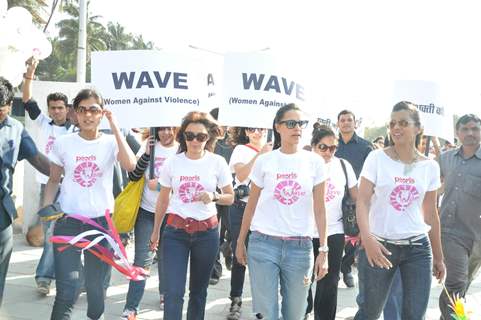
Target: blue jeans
{"points": [[394, 302], [273, 261], [67, 270], [6, 247], [46, 266], [177, 246], [415, 265], [143, 256]]}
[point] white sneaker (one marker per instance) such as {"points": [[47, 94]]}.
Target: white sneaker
{"points": [[161, 302], [129, 315]]}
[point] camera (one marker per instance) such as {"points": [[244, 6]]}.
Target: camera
{"points": [[241, 191]]}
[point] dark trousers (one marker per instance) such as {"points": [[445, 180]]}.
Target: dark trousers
{"points": [[350, 251], [68, 274], [178, 246], [325, 301], [6, 247], [238, 270], [223, 218]]}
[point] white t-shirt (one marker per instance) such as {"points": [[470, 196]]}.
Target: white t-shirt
{"points": [[285, 206], [48, 133], [188, 178], [241, 154], [335, 184], [89, 165], [396, 205], [149, 197]]}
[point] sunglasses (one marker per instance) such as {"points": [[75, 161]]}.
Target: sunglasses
{"points": [[94, 109], [291, 124], [402, 123], [252, 130], [324, 147], [201, 137]]}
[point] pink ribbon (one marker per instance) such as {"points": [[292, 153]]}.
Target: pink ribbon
{"points": [[116, 257]]}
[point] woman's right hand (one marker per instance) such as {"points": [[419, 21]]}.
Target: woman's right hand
{"points": [[150, 143], [241, 253], [154, 240], [376, 253]]}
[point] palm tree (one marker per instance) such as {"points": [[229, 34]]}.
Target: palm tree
{"points": [[139, 43], [117, 38], [37, 8]]}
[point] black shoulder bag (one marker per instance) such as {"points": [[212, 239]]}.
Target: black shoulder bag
{"points": [[349, 220]]}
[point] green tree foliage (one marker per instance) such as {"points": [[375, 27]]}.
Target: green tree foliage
{"points": [[62, 63], [37, 8]]}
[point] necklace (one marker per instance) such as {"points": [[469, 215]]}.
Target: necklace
{"points": [[408, 166]]}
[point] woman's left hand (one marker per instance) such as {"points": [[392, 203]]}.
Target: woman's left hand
{"points": [[108, 114], [205, 197], [439, 269], [321, 266]]}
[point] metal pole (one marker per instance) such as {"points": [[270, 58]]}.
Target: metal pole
{"points": [[82, 42]]}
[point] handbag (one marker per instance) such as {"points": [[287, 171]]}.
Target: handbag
{"points": [[127, 206], [349, 220]]}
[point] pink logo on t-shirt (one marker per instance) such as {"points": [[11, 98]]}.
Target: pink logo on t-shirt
{"points": [[159, 162], [49, 145], [86, 173], [288, 192], [402, 196], [331, 191], [189, 191]]}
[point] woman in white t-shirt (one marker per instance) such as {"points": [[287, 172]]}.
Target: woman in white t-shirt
{"points": [[324, 143], [164, 147], [398, 221], [86, 160], [250, 143], [286, 204], [191, 232]]}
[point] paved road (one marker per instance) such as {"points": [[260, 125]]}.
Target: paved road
{"points": [[22, 302]]}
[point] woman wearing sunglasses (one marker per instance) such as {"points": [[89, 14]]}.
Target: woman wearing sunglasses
{"points": [[191, 230], [164, 146], [86, 161], [250, 143], [286, 204], [398, 221], [324, 143]]}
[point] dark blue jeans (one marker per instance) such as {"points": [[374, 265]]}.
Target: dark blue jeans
{"points": [[46, 268], [393, 307], [238, 270], [6, 247], [177, 246], [415, 264], [143, 256], [67, 271]]}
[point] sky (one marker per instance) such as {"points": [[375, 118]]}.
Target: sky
{"points": [[350, 51]]}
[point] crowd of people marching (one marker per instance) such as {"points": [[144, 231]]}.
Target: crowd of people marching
{"points": [[276, 208]]}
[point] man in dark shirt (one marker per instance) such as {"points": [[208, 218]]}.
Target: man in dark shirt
{"points": [[15, 145], [355, 150]]}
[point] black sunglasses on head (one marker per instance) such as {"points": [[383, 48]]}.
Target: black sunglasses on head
{"points": [[324, 147], [201, 137]]}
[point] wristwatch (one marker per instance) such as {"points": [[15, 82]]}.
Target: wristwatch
{"points": [[215, 196], [324, 248]]}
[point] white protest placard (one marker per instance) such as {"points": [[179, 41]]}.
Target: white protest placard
{"points": [[146, 88], [255, 86], [435, 118]]}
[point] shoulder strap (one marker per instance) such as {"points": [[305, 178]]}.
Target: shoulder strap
{"points": [[346, 187]]}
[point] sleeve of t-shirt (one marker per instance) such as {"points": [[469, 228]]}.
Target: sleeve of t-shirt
{"points": [[32, 109], [435, 181], [369, 169], [224, 176], [238, 156], [55, 155], [257, 174], [351, 176], [320, 169], [141, 149], [42, 120], [27, 148], [165, 178], [115, 147]]}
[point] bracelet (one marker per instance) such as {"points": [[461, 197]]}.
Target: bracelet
{"points": [[25, 77], [158, 186]]}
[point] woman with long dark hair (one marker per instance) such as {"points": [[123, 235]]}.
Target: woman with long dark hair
{"points": [[86, 161], [250, 143], [191, 233], [398, 221], [286, 204]]}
